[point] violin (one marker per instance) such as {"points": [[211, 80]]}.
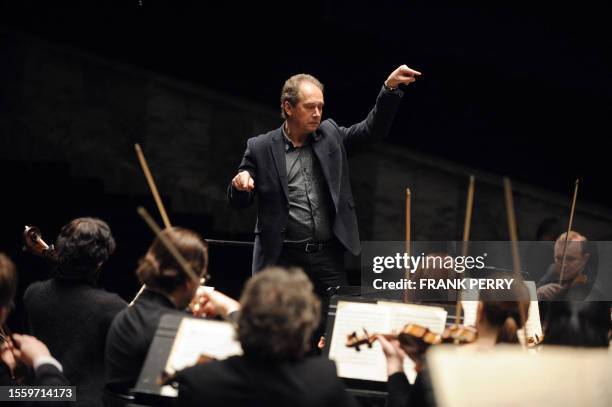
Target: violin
{"points": [[34, 243], [417, 337]]}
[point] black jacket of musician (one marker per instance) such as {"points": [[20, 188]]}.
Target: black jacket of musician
{"points": [[264, 159]]}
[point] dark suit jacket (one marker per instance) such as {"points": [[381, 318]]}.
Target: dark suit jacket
{"points": [[240, 381], [264, 159], [130, 336]]}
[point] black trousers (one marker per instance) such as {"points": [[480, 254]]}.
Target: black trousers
{"points": [[325, 269]]}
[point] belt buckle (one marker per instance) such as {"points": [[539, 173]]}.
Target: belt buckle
{"points": [[317, 247]]}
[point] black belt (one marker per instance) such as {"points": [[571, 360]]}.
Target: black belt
{"points": [[310, 247]]}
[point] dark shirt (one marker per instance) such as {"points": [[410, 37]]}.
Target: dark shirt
{"points": [[309, 201], [72, 319]]}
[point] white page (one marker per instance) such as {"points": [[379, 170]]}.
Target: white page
{"points": [[470, 311], [383, 317], [533, 326], [430, 317], [200, 336], [367, 364]]}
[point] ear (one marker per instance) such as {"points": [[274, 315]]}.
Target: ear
{"points": [[587, 256], [4, 313], [288, 108]]}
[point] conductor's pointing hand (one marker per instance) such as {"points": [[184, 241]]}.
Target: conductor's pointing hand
{"points": [[243, 181], [402, 74]]}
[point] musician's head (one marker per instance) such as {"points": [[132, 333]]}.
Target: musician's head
{"points": [[578, 323], [302, 102], [279, 314], [83, 245], [160, 271], [576, 257], [8, 286], [504, 310]]}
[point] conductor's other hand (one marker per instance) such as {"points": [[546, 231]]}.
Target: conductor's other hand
{"points": [[243, 181], [402, 74]]}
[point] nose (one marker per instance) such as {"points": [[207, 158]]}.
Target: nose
{"points": [[317, 112]]}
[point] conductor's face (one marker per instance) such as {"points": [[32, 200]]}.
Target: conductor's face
{"points": [[306, 114]]}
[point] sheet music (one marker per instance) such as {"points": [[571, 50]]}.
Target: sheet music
{"points": [[470, 311], [533, 326], [199, 336], [368, 364], [382, 317], [433, 318]]}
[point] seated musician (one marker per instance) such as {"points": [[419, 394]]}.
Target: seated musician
{"points": [[278, 316], [499, 316], [168, 290], [70, 313], [578, 274], [25, 349], [584, 324]]}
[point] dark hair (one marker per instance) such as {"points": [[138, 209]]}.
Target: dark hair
{"points": [[549, 228], [82, 246], [508, 309], [159, 269], [278, 316], [8, 280], [578, 323], [291, 90]]}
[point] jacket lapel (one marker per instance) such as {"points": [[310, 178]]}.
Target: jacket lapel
{"points": [[277, 148], [329, 162]]}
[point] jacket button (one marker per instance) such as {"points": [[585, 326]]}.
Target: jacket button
{"points": [[283, 229]]}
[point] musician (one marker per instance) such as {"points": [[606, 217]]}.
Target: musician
{"points": [[499, 316], [27, 350], [583, 324], [69, 312], [278, 315], [578, 275], [168, 291], [299, 173]]}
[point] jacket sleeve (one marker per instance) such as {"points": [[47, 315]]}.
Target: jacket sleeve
{"points": [[399, 389], [49, 375], [377, 123], [243, 199]]}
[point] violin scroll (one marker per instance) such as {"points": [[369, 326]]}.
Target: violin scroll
{"points": [[34, 243]]}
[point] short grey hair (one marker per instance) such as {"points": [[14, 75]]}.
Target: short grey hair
{"points": [[279, 314], [291, 90]]}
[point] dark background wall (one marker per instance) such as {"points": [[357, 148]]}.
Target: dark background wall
{"points": [[520, 90]]}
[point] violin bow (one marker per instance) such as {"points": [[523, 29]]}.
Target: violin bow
{"points": [[156, 197], [569, 229], [152, 186], [408, 238], [467, 224], [168, 244], [516, 259]]}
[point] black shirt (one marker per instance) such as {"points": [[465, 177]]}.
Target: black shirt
{"points": [[309, 200]]}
